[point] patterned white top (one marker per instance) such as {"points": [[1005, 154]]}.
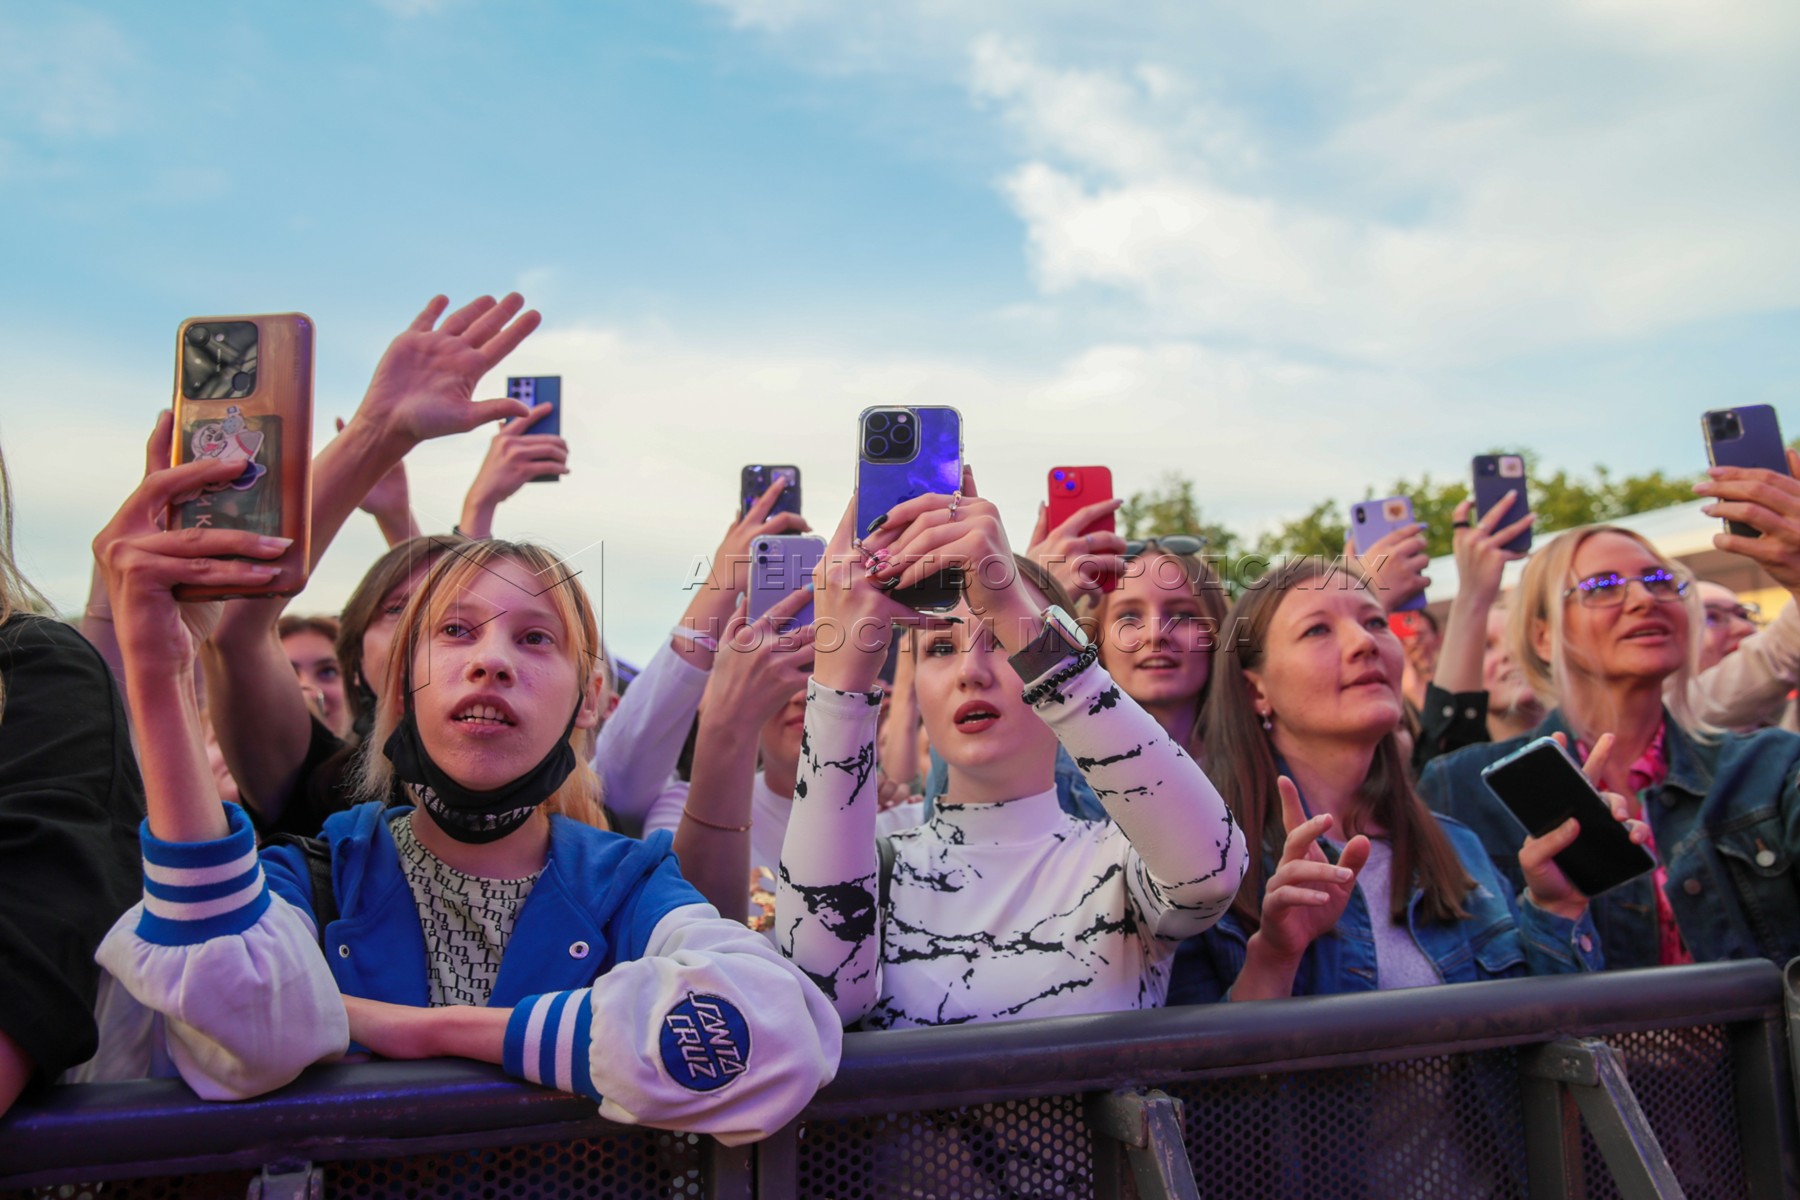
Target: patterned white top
{"points": [[1004, 910], [467, 919]]}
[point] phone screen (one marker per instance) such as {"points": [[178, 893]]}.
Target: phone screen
{"points": [[1541, 785]]}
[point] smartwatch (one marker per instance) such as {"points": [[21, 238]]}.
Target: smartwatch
{"points": [[1060, 643]]}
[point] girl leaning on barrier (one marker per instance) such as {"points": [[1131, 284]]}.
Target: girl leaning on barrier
{"points": [[493, 921], [1001, 905], [1301, 735], [1606, 630]]}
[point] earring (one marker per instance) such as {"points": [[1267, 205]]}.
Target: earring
{"points": [[1268, 722]]}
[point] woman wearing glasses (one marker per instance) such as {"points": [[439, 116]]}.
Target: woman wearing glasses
{"points": [[1607, 632]]}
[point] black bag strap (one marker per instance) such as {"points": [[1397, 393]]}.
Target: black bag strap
{"points": [[316, 853], [884, 878]]}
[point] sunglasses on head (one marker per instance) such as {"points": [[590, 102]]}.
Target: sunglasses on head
{"points": [[1608, 589], [1725, 612], [1175, 543]]}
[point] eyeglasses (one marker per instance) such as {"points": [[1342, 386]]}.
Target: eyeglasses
{"points": [[1718, 614], [1608, 590], [1175, 543]]}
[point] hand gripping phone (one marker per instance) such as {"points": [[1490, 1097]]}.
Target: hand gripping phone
{"points": [[244, 392], [755, 479], [1372, 520], [535, 390], [1541, 786], [780, 565], [1074, 488], [1495, 476], [1749, 436], [904, 453]]}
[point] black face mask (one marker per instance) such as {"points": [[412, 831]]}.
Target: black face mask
{"points": [[471, 816]]}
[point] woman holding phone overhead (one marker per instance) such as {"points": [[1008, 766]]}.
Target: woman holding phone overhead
{"points": [[1301, 735], [492, 918], [1605, 629], [1001, 905]]}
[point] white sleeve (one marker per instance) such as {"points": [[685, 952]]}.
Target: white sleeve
{"points": [[665, 811], [711, 1031], [236, 972], [638, 746], [1187, 855], [1750, 685], [825, 903]]}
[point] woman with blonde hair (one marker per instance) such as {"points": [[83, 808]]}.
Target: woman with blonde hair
{"points": [[1606, 631], [493, 920]]}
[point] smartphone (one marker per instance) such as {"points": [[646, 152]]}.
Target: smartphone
{"points": [[903, 453], [755, 479], [244, 393], [1541, 786], [1372, 520], [535, 390], [1495, 476], [780, 565], [1074, 488], [1749, 436]]}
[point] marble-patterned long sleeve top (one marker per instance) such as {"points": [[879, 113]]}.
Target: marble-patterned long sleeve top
{"points": [[1012, 909]]}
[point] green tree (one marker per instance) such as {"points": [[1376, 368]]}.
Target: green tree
{"points": [[1321, 531], [1169, 508]]}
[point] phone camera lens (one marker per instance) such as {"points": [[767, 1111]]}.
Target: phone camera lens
{"points": [[1069, 486], [1058, 475], [902, 434], [241, 382], [1362, 518], [878, 422], [878, 446]]}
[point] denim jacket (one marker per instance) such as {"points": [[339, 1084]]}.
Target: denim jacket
{"points": [[1727, 825], [1499, 938]]}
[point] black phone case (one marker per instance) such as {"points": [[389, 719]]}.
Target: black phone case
{"points": [[1758, 447], [1542, 787]]}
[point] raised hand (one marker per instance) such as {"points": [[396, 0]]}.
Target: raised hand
{"points": [[1081, 562], [1395, 565], [1766, 501], [1306, 895], [1481, 553], [142, 561], [390, 502], [424, 386], [925, 535], [853, 618], [761, 664], [515, 457], [1545, 884]]}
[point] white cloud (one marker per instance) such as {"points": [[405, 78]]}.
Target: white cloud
{"points": [[61, 77], [1409, 183]]}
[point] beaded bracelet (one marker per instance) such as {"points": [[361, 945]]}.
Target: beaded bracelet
{"points": [[1062, 675]]}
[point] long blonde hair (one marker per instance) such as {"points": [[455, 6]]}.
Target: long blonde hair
{"points": [[579, 798], [16, 592], [1539, 602]]}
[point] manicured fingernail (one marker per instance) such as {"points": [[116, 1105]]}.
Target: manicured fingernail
{"points": [[274, 543], [1345, 875], [271, 572], [877, 523]]}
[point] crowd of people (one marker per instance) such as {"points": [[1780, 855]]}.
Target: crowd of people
{"points": [[239, 843]]}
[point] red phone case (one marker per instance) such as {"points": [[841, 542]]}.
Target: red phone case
{"points": [[1074, 488]]}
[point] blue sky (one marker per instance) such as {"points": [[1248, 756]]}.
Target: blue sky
{"points": [[1292, 251]]}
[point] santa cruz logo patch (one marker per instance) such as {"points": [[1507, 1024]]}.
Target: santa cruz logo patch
{"points": [[705, 1043]]}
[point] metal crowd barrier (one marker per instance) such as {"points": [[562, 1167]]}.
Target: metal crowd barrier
{"points": [[1675, 1082]]}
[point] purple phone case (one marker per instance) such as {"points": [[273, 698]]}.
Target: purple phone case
{"points": [[1759, 446], [1489, 487], [780, 565], [755, 479], [937, 468], [1372, 520]]}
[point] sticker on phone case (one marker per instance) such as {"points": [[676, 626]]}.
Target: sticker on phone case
{"points": [[252, 499]]}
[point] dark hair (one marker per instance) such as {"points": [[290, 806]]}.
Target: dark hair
{"points": [[389, 572], [1241, 761], [1209, 590]]}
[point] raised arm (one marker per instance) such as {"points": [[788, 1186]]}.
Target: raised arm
{"points": [[422, 388], [247, 997]]}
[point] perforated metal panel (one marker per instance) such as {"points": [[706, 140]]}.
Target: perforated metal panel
{"points": [[1036, 1148], [1683, 1081], [1428, 1127], [642, 1167]]}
